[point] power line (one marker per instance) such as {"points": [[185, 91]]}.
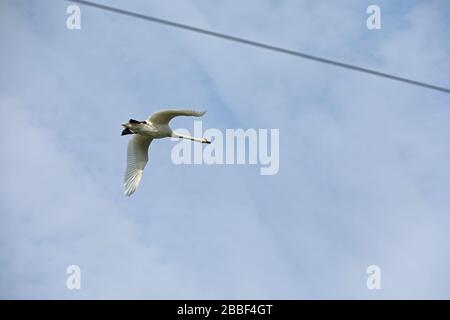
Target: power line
{"points": [[261, 45]]}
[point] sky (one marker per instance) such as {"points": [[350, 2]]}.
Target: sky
{"points": [[364, 171]]}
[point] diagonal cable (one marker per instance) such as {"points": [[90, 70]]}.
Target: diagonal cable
{"points": [[262, 45]]}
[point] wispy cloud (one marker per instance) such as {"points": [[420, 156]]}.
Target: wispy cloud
{"points": [[363, 166]]}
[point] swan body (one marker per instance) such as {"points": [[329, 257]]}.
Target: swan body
{"points": [[155, 127]]}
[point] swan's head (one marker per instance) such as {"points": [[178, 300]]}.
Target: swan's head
{"points": [[131, 126], [128, 128]]}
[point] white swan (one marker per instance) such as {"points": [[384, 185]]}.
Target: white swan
{"points": [[155, 127]]}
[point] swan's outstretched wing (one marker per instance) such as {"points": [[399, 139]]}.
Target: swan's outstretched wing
{"points": [[137, 158], [164, 116]]}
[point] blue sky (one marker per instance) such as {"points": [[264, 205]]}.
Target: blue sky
{"points": [[363, 173]]}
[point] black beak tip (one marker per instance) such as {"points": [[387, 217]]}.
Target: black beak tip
{"points": [[126, 131]]}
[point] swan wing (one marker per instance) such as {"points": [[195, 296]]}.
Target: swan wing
{"points": [[164, 116], [137, 158]]}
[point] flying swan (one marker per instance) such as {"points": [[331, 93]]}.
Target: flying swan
{"points": [[155, 127]]}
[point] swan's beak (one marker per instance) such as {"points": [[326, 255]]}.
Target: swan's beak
{"points": [[126, 131]]}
